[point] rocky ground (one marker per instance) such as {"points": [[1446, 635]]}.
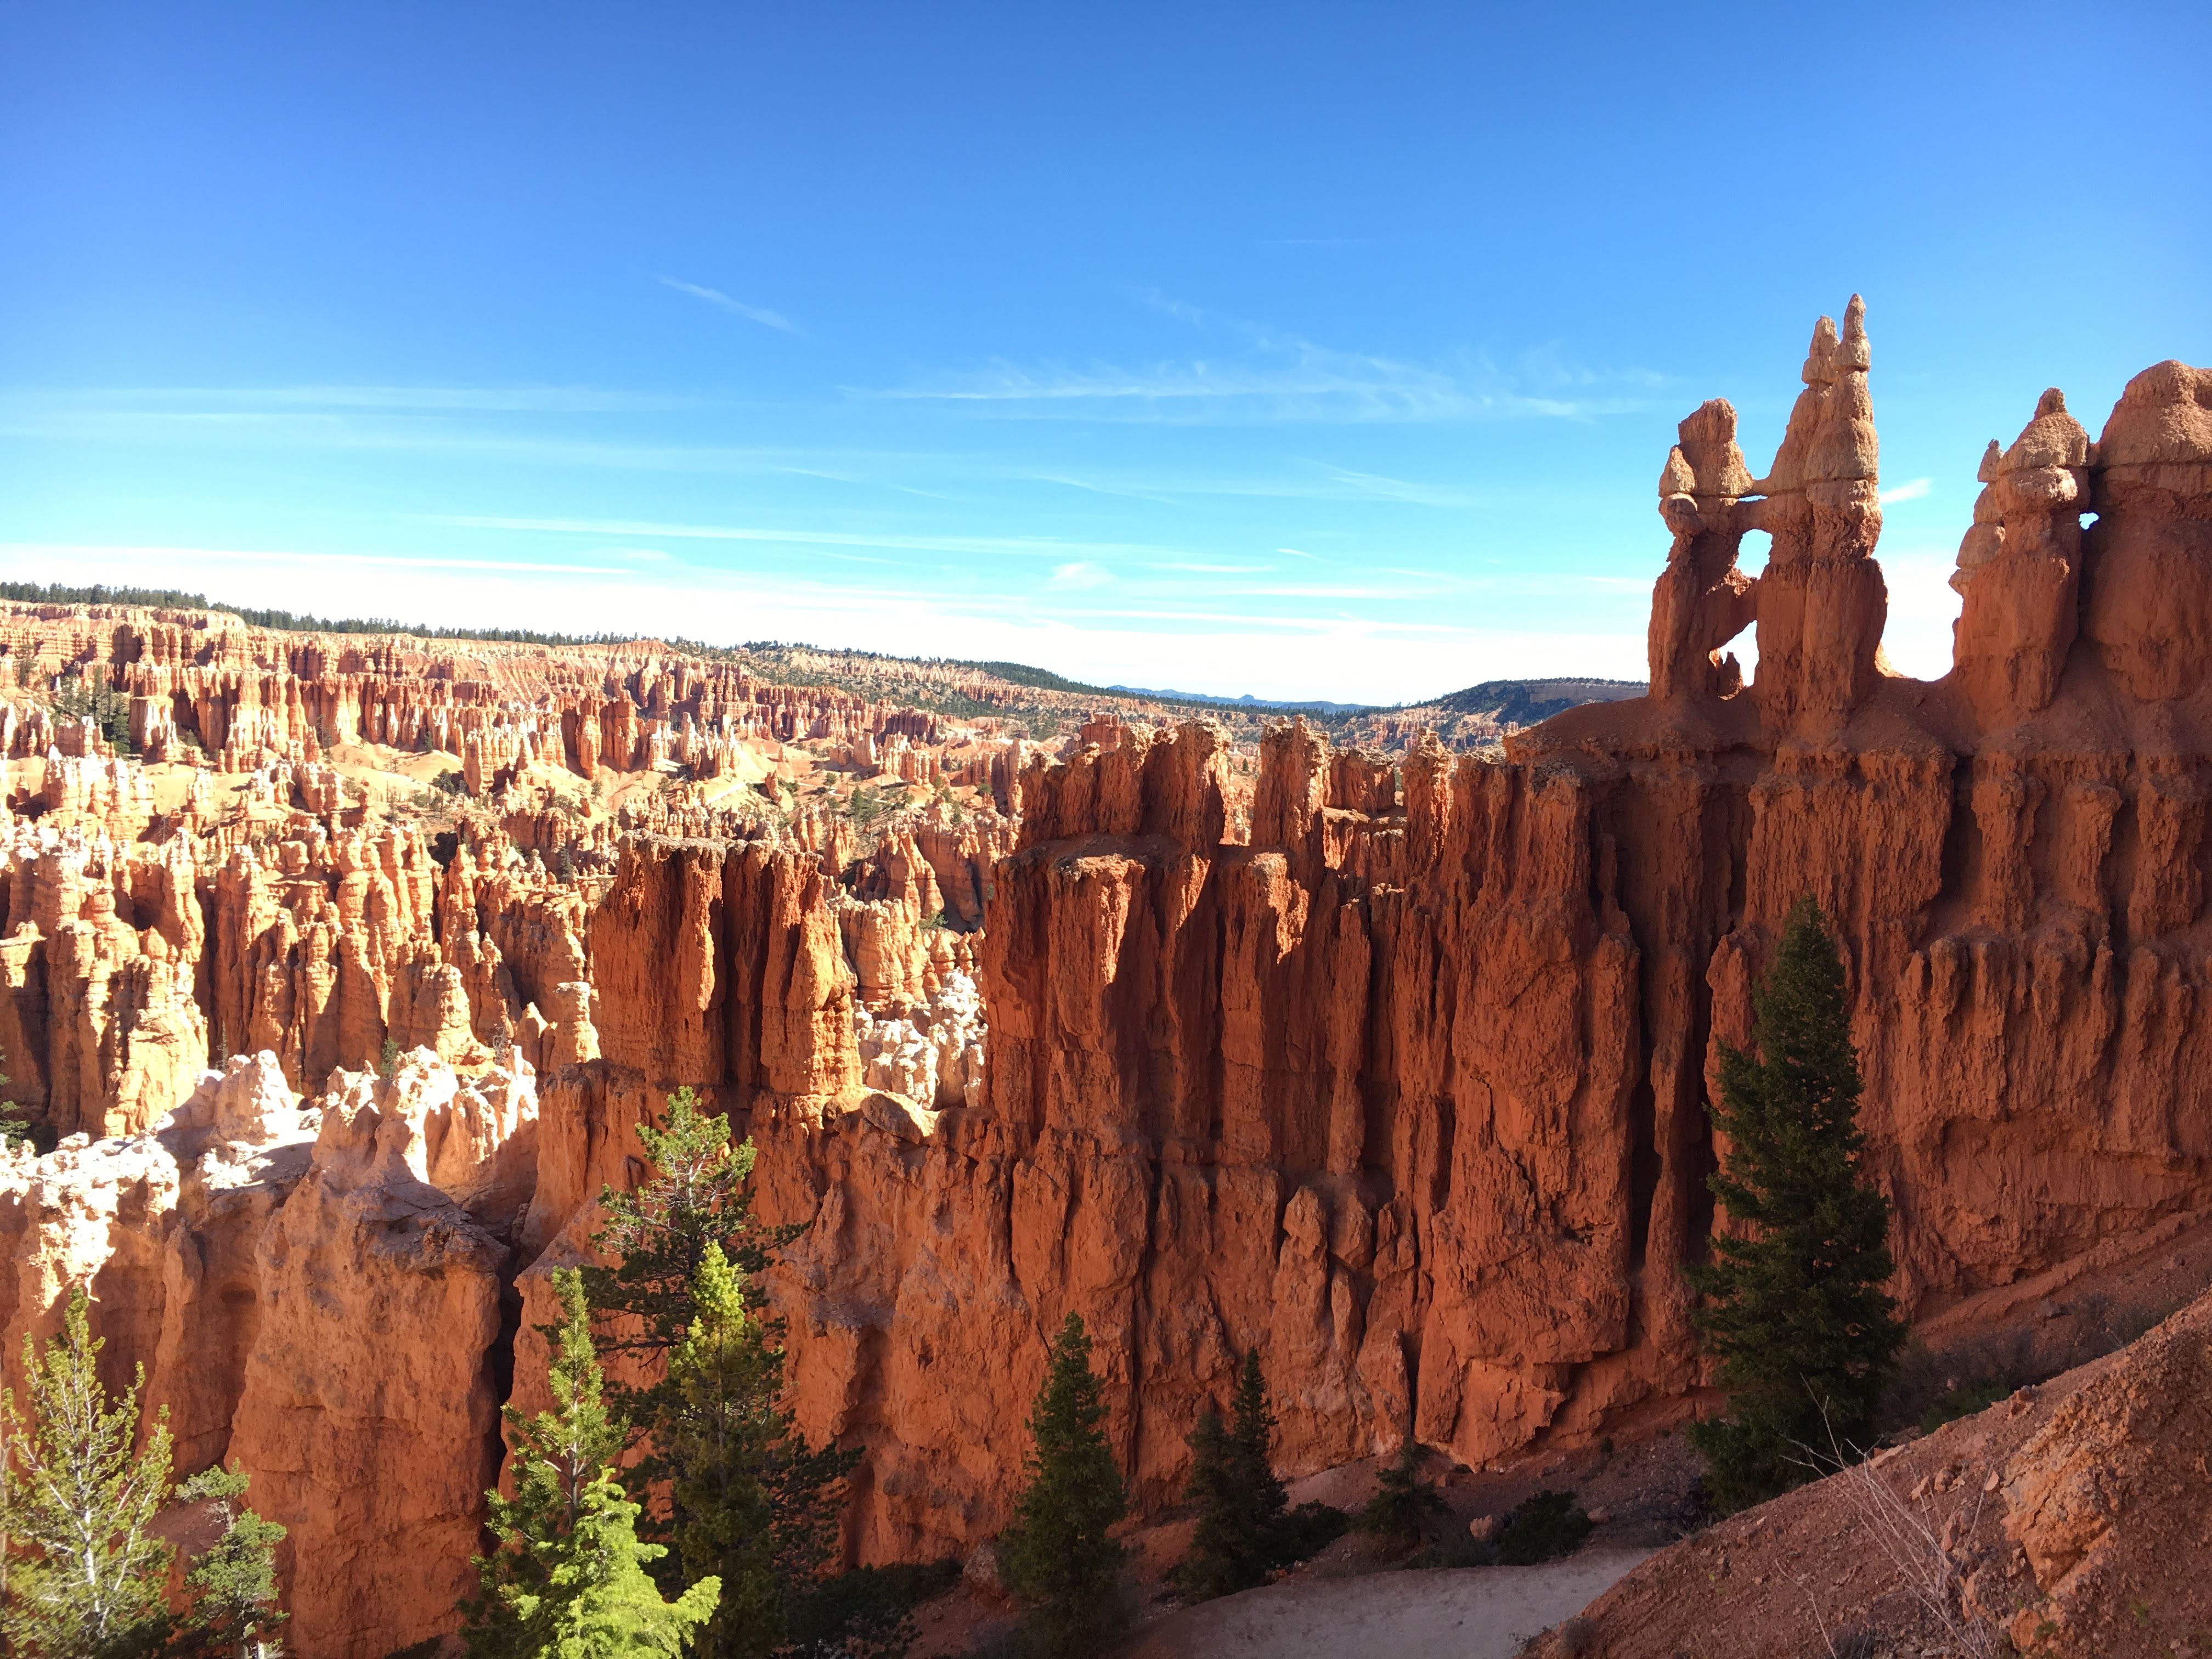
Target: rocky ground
{"points": [[2073, 1517]]}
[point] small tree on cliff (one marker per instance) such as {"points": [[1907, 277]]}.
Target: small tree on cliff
{"points": [[567, 1575], [233, 1585], [15, 1125], [1795, 1310], [85, 1575], [696, 1193], [1240, 1533], [1057, 1557], [1404, 1502], [80, 1572]]}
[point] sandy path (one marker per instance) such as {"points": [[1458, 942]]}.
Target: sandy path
{"points": [[1473, 1612]]}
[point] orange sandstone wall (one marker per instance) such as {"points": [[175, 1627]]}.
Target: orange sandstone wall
{"points": [[1407, 1087], [1397, 1072]]}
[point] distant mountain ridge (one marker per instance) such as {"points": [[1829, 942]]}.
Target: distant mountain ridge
{"points": [[1248, 701], [1524, 703]]}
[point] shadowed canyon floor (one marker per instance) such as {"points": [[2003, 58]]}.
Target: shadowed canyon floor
{"points": [[1391, 1061]]}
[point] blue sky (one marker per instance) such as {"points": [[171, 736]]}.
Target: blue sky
{"points": [[1303, 350]]}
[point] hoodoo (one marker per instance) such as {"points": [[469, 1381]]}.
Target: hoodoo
{"points": [[1393, 1065]]}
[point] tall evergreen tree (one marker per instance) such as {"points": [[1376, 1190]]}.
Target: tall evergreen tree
{"points": [[85, 1575], [1240, 1534], [558, 1456], [233, 1585], [747, 1497], [596, 1601], [1057, 1557], [719, 1433], [1794, 1310]]}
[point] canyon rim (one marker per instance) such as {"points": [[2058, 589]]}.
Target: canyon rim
{"points": [[1389, 1057]]}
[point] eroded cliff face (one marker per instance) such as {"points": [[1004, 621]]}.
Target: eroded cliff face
{"points": [[314, 1291], [1395, 1068], [1407, 1086]]}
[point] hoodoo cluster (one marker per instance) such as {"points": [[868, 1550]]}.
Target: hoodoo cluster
{"points": [[1393, 1067]]}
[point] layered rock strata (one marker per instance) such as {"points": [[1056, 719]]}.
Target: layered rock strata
{"points": [[315, 1294], [1407, 1086], [1395, 1069]]}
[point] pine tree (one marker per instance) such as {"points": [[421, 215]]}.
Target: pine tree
{"points": [[1241, 1535], [597, 1600], [695, 1194], [1403, 1501], [719, 1434], [558, 1456], [15, 1125], [746, 1492], [85, 1575], [233, 1585], [1795, 1310], [1057, 1557]]}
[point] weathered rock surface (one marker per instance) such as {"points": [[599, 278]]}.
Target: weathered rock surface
{"points": [[315, 1294], [2069, 1518], [1394, 1067]]}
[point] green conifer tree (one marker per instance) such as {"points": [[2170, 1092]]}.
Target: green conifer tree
{"points": [[1404, 1502], [719, 1435], [85, 1575], [1241, 1533], [233, 1585], [713, 1434], [1057, 1557], [596, 1600], [16, 1127], [1795, 1310], [695, 1194], [558, 1456]]}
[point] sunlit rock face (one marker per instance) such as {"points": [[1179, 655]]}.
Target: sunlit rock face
{"points": [[1395, 1068], [1405, 1083]]}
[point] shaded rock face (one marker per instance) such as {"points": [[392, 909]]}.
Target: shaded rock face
{"points": [[315, 1293], [1397, 1071], [1407, 1086]]}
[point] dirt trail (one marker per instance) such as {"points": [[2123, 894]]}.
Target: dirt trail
{"points": [[1474, 1613]]}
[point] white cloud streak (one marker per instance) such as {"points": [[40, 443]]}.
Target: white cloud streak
{"points": [[1018, 546], [1080, 574], [714, 296], [80, 550], [1908, 492]]}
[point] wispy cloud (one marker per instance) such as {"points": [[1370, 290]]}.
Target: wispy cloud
{"points": [[1280, 378], [1082, 574], [114, 550], [1212, 570], [1397, 489], [1908, 492], [1299, 553], [1181, 310], [221, 402], [714, 296], [1018, 546]]}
